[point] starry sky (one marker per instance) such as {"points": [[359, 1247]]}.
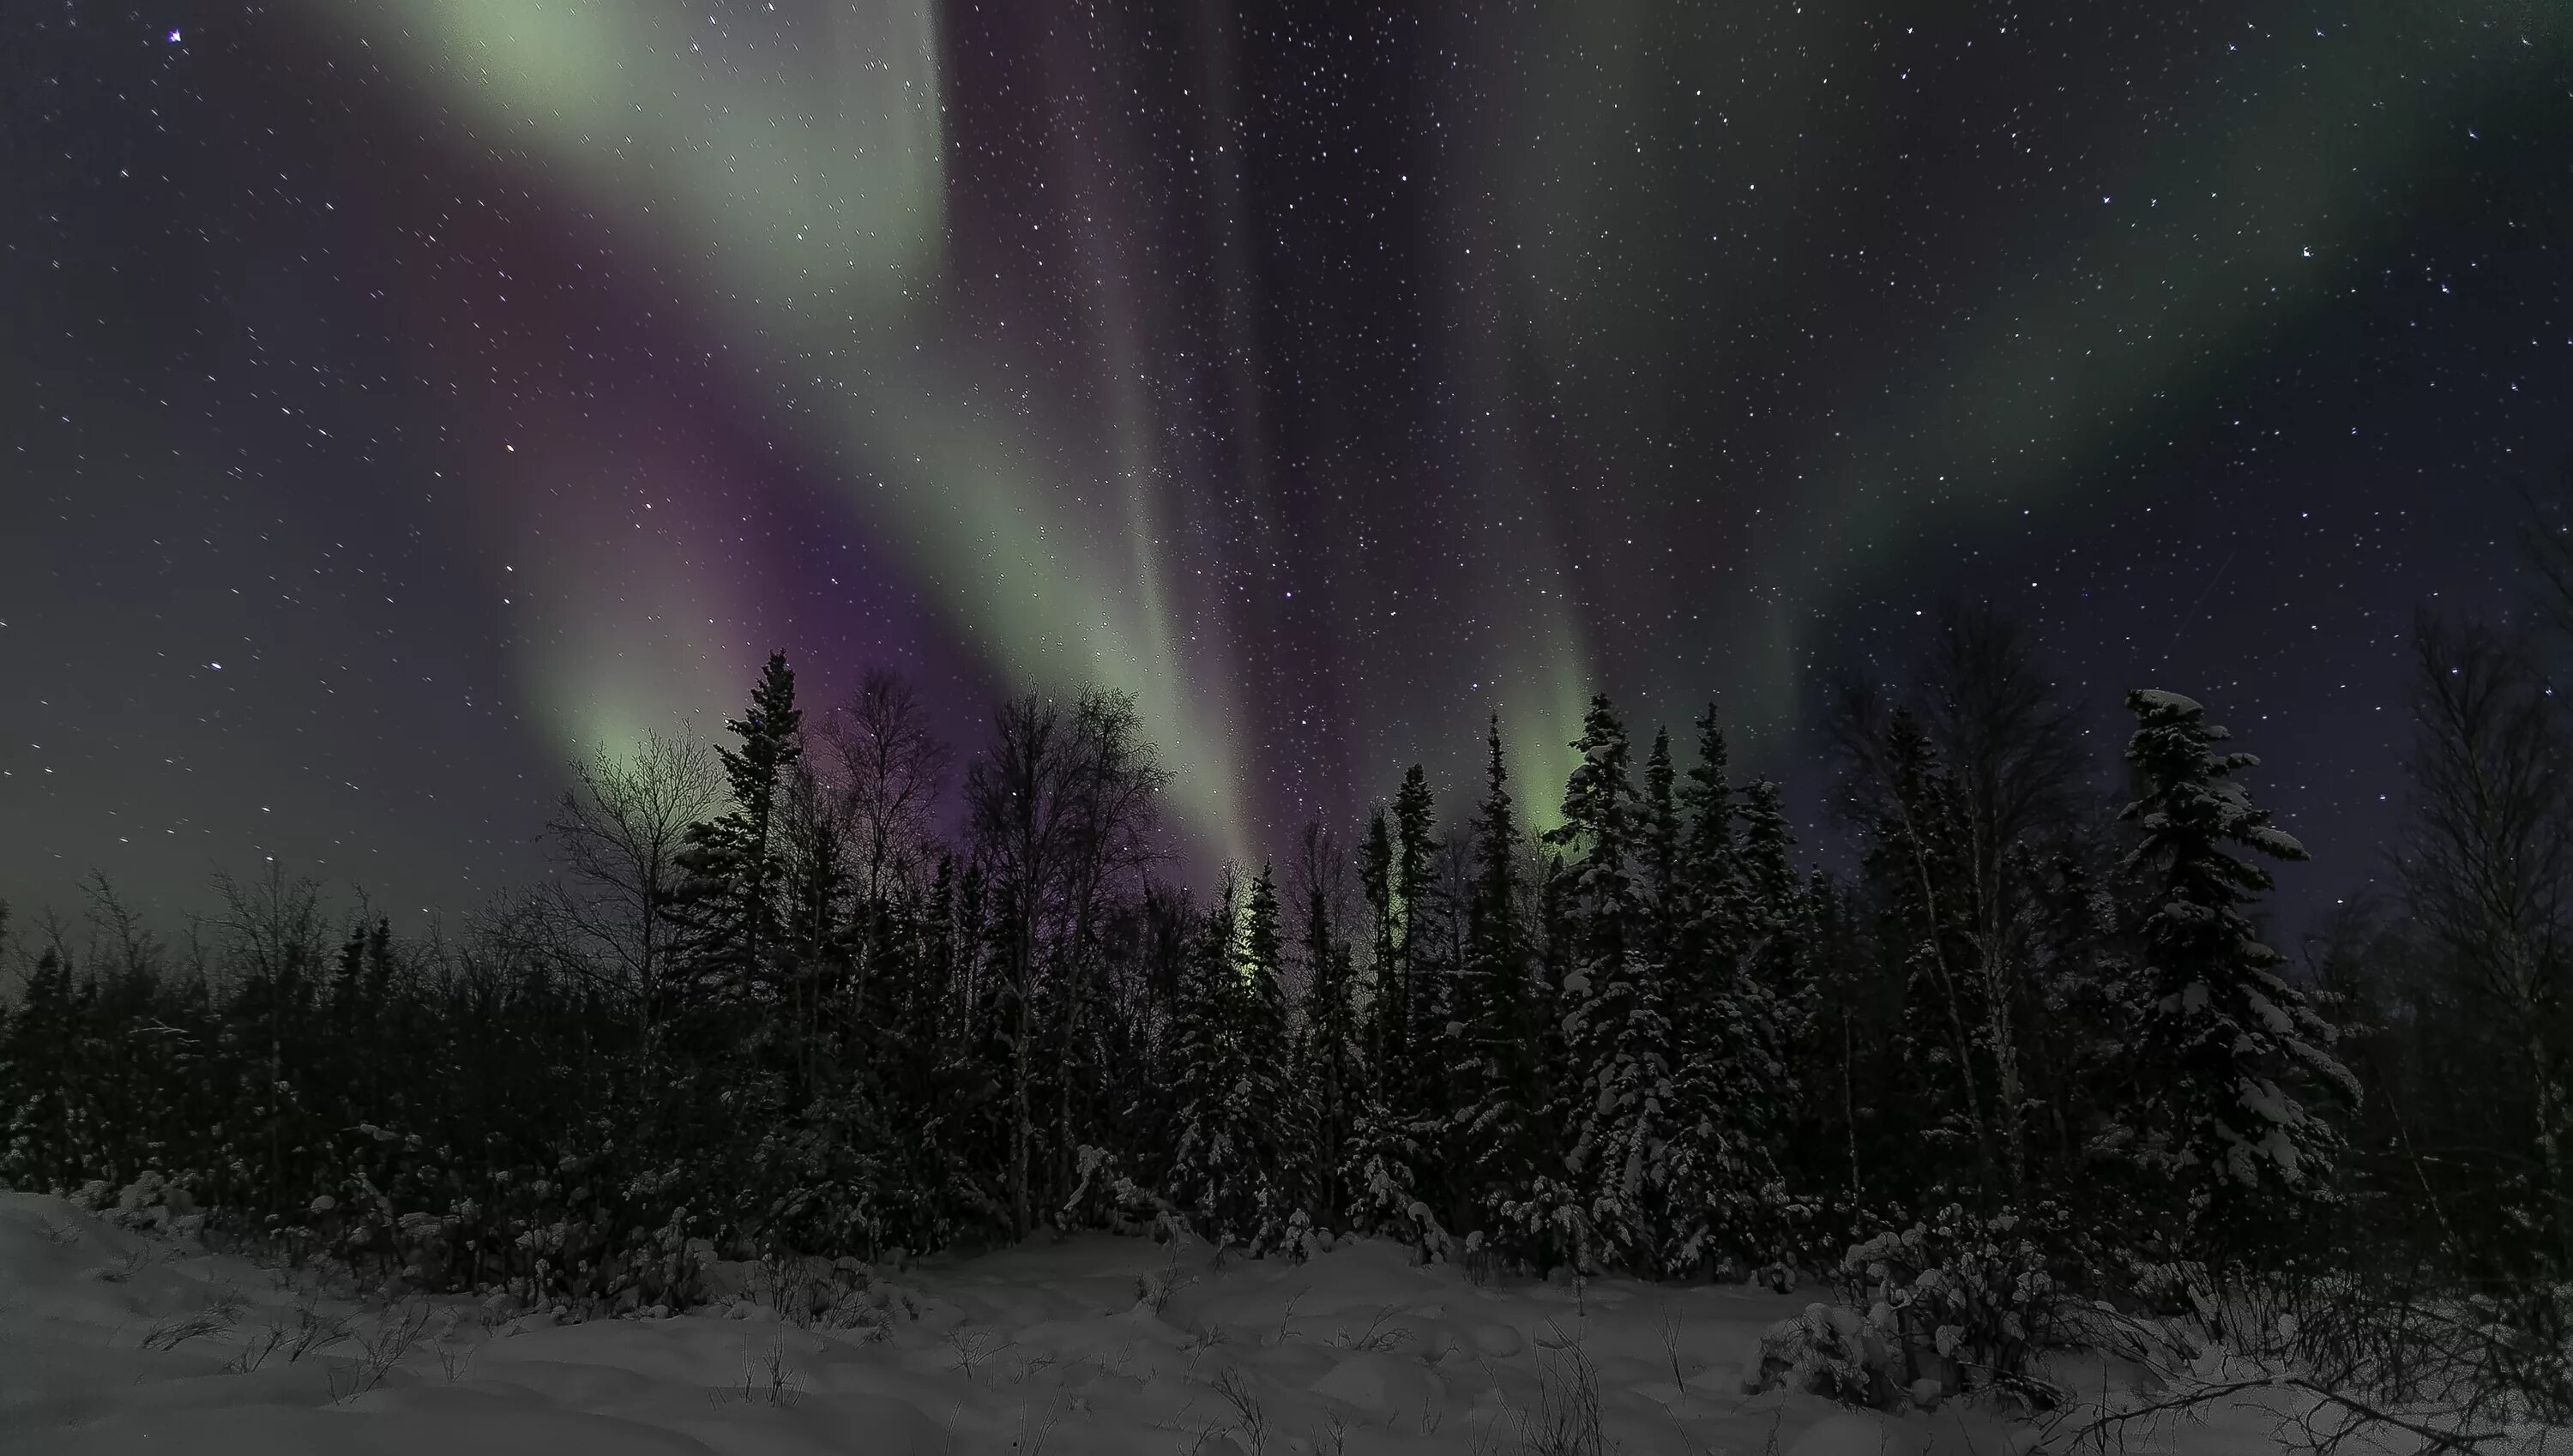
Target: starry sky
{"points": [[402, 397]]}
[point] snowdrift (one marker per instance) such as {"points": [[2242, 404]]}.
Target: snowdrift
{"points": [[114, 1341]]}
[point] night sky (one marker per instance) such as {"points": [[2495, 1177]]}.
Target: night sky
{"points": [[400, 397]]}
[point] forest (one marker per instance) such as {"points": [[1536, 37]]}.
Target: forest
{"points": [[2029, 1073]]}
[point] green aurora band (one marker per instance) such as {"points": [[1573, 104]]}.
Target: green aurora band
{"points": [[806, 212]]}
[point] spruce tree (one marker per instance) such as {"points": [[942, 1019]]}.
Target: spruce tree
{"points": [[1726, 1071], [1331, 1055], [1433, 1094], [1419, 908], [919, 1069], [1386, 1181], [1208, 1170], [730, 899], [1618, 1040], [819, 939], [1545, 1222], [45, 1150], [1659, 857], [1714, 894], [1776, 965], [1264, 1110], [1497, 1103], [2237, 1066], [1387, 1017]]}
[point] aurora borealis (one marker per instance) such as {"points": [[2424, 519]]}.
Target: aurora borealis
{"points": [[400, 397]]}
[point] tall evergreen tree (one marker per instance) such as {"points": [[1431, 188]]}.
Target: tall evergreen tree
{"points": [[1420, 906], [46, 1149], [1714, 895], [1545, 1222], [1263, 1109], [1330, 1057], [819, 941], [731, 901], [921, 1067], [1387, 1015], [1208, 1167], [2237, 1066], [1618, 1039], [1398, 1127], [1498, 1124], [1658, 841], [1728, 1074], [1777, 956]]}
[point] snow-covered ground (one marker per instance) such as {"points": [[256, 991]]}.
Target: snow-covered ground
{"points": [[118, 1342]]}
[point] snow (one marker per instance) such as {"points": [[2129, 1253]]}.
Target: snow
{"points": [[1043, 1348], [2155, 698]]}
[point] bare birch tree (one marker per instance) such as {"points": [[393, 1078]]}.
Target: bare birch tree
{"points": [[888, 765], [1059, 811], [615, 838], [2488, 874]]}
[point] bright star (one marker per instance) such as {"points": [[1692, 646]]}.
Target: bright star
{"points": [[174, 37]]}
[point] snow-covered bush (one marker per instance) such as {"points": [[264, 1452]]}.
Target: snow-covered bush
{"points": [[1301, 1240], [1966, 1300], [1828, 1350], [153, 1201], [1956, 1303], [1105, 1198], [1547, 1226]]}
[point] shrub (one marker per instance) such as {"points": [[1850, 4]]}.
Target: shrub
{"points": [[1966, 1300]]}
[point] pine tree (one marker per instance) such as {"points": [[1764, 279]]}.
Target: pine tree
{"points": [[1397, 1131], [1331, 1059], [1264, 1110], [1777, 964], [45, 1148], [1419, 908], [1388, 1019], [1545, 1222], [1496, 1080], [819, 940], [2235, 1060], [1727, 1074], [731, 901], [1618, 1039], [351, 1007], [1659, 858], [920, 1068], [1167, 945], [2077, 993], [1231, 1172], [1714, 895], [1208, 1168]]}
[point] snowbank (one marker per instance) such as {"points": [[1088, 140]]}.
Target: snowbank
{"points": [[118, 1341]]}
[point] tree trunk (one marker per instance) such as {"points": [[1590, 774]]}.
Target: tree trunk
{"points": [[2547, 1096], [1964, 1045], [1021, 1132], [1849, 1103], [1994, 952]]}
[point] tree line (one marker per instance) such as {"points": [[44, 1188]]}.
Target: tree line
{"points": [[764, 1007]]}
